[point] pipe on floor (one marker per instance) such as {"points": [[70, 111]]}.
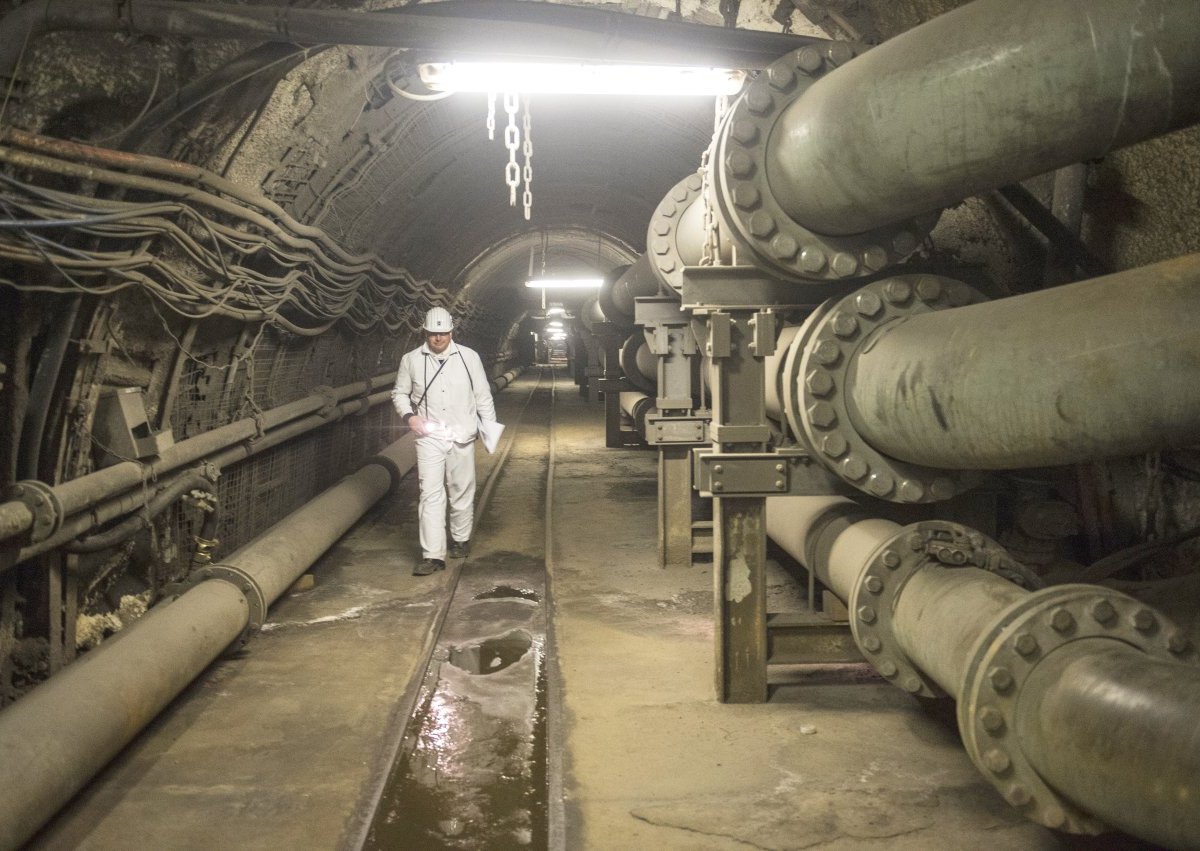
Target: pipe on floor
{"points": [[637, 406], [54, 739], [988, 94], [572, 34], [1076, 702]]}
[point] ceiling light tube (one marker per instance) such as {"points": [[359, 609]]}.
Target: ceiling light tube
{"points": [[580, 79], [564, 283]]}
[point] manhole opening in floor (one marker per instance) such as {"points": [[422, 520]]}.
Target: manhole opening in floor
{"points": [[502, 591], [492, 654]]}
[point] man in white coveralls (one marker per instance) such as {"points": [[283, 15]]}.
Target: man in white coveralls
{"points": [[442, 393]]}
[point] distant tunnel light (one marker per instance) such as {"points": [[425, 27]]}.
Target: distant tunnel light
{"points": [[564, 283], [589, 79]]}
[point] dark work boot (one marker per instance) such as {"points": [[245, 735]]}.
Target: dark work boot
{"points": [[459, 549], [428, 566]]}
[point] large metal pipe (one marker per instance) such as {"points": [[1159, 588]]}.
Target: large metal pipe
{"points": [[492, 30], [1076, 702], [1132, 721], [1092, 370], [988, 94], [53, 740]]}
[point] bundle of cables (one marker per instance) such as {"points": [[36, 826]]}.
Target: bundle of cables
{"points": [[197, 242]]}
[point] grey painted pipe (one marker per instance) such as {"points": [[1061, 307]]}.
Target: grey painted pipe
{"points": [[1110, 728], [54, 739], [1092, 370], [636, 282], [504, 29], [1132, 721], [638, 363], [989, 94]]}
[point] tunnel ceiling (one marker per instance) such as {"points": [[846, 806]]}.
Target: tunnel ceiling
{"points": [[435, 198]]}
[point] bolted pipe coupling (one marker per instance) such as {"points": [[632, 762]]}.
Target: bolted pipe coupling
{"points": [[818, 372], [750, 206], [1006, 655], [872, 602], [256, 600]]}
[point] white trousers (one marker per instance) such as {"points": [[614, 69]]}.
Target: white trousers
{"points": [[445, 466]]}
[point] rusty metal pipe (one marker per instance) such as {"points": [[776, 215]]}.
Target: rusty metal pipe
{"points": [[1092, 370], [86, 492], [991, 93]]}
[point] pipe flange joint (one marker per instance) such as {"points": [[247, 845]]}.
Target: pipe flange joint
{"points": [[662, 237], [757, 223], [43, 503], [873, 598], [816, 379], [329, 399], [1008, 652], [250, 589]]}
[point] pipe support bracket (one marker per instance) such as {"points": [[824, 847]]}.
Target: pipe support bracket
{"points": [[1008, 652], [758, 224], [817, 373], [873, 599]]}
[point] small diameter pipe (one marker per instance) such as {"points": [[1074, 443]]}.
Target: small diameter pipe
{"points": [[1021, 87], [53, 740], [87, 491], [1098, 369], [1115, 731]]}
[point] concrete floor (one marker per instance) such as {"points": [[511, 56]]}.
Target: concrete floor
{"points": [[289, 743]]}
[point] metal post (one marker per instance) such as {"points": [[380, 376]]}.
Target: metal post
{"points": [[676, 426], [674, 506], [739, 523]]}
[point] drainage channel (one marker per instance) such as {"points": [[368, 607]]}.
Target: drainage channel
{"points": [[470, 772]]}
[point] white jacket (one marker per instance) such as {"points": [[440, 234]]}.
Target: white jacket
{"points": [[457, 398]]}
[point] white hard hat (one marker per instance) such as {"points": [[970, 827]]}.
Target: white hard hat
{"points": [[438, 319]]}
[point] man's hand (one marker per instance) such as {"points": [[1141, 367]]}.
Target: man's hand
{"points": [[417, 424]]}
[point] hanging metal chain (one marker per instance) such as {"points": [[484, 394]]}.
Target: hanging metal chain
{"points": [[491, 118], [512, 141], [711, 251], [527, 173]]}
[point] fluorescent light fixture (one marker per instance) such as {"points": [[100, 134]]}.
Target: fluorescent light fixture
{"points": [[564, 283], [578, 79], [556, 311]]}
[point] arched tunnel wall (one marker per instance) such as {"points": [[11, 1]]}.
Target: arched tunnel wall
{"points": [[416, 186]]}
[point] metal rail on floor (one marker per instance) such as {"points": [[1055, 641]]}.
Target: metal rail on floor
{"points": [[407, 705]]}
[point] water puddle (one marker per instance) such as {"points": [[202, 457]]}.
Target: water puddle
{"points": [[492, 654], [506, 591], [471, 771]]}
